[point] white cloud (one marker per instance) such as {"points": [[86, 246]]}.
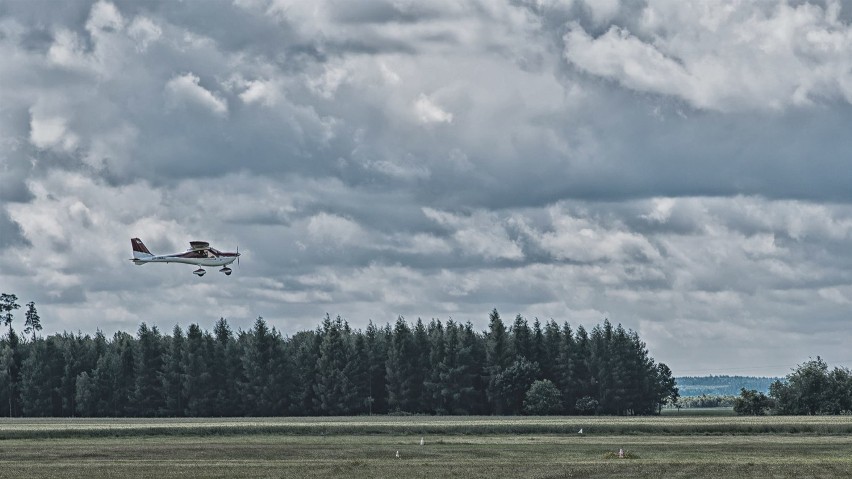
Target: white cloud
{"points": [[480, 234], [332, 78], [144, 31], [335, 230], [428, 112], [104, 16], [67, 50], [186, 90], [725, 56], [260, 91], [52, 132]]}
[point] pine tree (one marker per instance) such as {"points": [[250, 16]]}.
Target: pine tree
{"points": [[12, 359], [148, 394], [334, 393], [306, 352], [537, 343], [419, 368], [473, 379], [582, 380], [223, 371], [550, 357], [358, 371], [173, 378], [435, 382], [377, 357], [8, 303], [32, 324], [400, 375], [262, 396], [196, 384], [498, 357], [522, 338], [119, 376]]}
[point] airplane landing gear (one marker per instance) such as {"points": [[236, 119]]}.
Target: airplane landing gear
{"points": [[226, 270], [200, 272]]}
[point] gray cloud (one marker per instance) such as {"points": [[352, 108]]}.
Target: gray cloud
{"points": [[676, 167]]}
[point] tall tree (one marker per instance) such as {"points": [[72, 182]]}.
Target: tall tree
{"points": [[522, 338], [8, 303], [262, 394], [32, 323], [376, 345], [196, 384], [335, 393], [550, 360], [305, 346], [434, 383], [173, 377], [148, 393], [419, 367], [400, 377], [498, 357], [224, 370]]}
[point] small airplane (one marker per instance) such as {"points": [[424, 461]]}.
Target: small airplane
{"points": [[200, 254]]}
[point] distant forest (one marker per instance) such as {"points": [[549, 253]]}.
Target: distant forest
{"points": [[689, 386], [420, 368]]}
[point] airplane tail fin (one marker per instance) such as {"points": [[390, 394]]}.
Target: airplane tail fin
{"points": [[139, 249]]}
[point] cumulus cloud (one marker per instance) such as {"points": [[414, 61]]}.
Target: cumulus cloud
{"points": [[428, 112], [185, 90], [52, 132], [144, 31], [726, 56]]}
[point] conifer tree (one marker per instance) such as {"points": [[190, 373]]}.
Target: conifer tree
{"points": [[335, 394], [377, 357], [173, 378], [148, 394], [32, 324], [196, 384], [399, 367]]}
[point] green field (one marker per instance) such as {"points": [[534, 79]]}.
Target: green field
{"points": [[474, 447]]}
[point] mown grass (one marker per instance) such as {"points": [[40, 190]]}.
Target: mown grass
{"points": [[479, 456], [470, 447], [404, 425]]}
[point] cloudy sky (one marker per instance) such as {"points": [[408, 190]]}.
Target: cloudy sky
{"points": [[682, 168]]}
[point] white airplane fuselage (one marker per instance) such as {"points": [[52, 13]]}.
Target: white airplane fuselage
{"points": [[220, 261]]}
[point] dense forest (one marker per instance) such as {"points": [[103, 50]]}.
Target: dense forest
{"points": [[419, 368]]}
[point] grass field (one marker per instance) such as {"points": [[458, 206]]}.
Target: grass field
{"points": [[775, 447]]}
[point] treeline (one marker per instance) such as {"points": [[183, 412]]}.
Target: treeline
{"points": [[434, 368], [705, 401], [723, 385]]}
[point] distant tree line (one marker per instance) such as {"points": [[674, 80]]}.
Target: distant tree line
{"points": [[722, 385], [434, 368], [705, 401]]}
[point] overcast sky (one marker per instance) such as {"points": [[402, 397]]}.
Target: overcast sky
{"points": [[681, 168]]}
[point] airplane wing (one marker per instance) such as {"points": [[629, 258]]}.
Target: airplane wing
{"points": [[199, 245]]}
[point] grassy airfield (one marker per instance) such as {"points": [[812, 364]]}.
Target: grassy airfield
{"points": [[474, 447]]}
